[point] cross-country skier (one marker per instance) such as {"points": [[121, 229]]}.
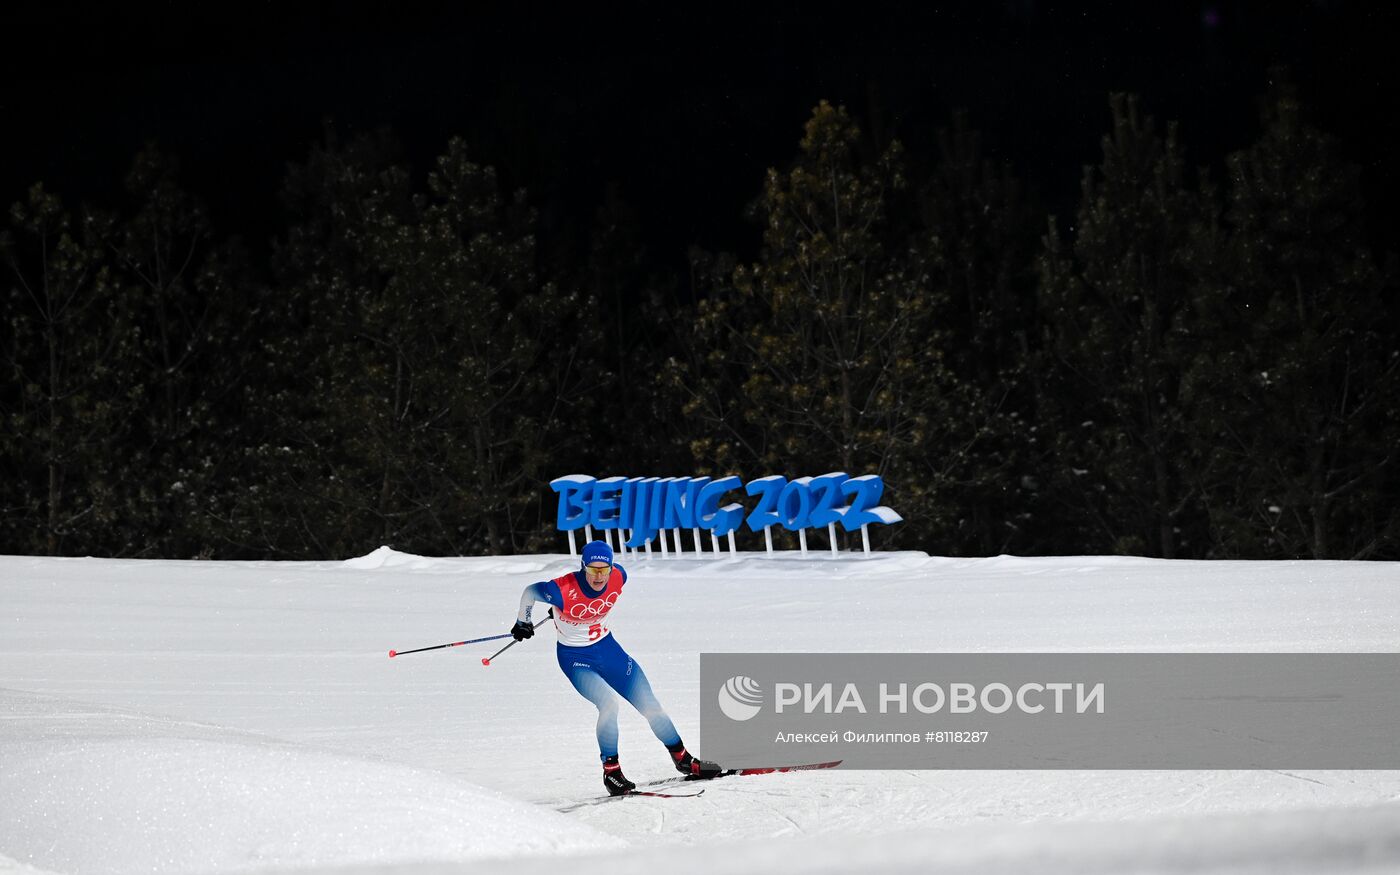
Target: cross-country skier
{"points": [[593, 661]]}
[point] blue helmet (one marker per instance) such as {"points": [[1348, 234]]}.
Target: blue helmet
{"points": [[597, 551]]}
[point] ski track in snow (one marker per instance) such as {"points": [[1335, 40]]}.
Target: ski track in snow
{"points": [[211, 717]]}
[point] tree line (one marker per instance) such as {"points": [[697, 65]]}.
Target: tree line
{"points": [[1187, 367]]}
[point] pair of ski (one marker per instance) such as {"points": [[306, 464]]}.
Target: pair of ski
{"points": [[642, 789]]}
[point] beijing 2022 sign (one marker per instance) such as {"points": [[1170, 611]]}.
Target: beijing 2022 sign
{"points": [[647, 505]]}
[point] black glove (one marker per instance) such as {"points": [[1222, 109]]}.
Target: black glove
{"points": [[522, 630]]}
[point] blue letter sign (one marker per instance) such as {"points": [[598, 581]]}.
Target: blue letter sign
{"points": [[646, 505]]}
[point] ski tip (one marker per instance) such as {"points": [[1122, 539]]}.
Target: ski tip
{"points": [[393, 653]]}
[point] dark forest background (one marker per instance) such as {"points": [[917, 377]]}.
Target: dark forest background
{"points": [[1186, 357]]}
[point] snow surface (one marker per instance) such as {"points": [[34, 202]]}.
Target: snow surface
{"points": [[209, 717]]}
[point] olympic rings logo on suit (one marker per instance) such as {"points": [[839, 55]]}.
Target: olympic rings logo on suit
{"points": [[595, 608]]}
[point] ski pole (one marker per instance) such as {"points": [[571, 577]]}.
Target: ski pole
{"points": [[486, 660], [393, 653]]}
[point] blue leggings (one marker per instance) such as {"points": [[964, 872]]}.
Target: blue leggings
{"points": [[595, 668]]}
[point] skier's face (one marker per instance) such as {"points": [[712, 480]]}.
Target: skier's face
{"points": [[597, 574]]}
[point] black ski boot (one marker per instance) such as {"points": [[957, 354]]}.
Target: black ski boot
{"points": [[701, 770], [614, 781]]}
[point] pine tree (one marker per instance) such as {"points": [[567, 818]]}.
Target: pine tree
{"points": [[827, 352], [976, 236], [1304, 411], [1117, 346], [194, 326], [637, 310], [979, 235], [502, 354], [314, 492], [701, 379], [430, 364], [67, 365]]}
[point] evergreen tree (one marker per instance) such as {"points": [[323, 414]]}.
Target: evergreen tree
{"points": [[424, 406], [1303, 410], [979, 235], [700, 381], [639, 319], [314, 491], [827, 353], [1117, 344], [194, 329], [68, 396], [505, 355], [976, 237]]}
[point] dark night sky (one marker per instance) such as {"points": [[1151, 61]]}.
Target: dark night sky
{"points": [[681, 110]]}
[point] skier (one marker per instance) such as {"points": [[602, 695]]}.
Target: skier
{"points": [[593, 661]]}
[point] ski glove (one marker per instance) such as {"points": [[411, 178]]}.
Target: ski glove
{"points": [[522, 630]]}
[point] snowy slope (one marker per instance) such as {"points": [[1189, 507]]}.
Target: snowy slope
{"points": [[98, 789], [205, 717]]}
